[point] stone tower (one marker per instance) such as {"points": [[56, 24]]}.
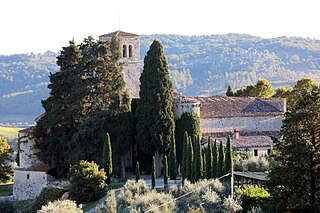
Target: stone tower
{"points": [[183, 104], [130, 44]]}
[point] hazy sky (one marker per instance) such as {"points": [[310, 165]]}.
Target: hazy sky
{"points": [[40, 25]]}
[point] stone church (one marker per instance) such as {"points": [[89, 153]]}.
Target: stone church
{"points": [[251, 121]]}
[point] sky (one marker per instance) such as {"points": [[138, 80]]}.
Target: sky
{"points": [[40, 25]]}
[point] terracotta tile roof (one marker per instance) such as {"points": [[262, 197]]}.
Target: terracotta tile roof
{"points": [[118, 33], [184, 99], [223, 106], [40, 167], [245, 141]]}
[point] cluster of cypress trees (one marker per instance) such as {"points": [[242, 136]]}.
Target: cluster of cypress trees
{"points": [[213, 163]]}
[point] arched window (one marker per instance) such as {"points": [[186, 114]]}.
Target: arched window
{"points": [[124, 51], [130, 51]]}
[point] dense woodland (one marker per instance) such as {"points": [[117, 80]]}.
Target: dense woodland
{"points": [[199, 65]]}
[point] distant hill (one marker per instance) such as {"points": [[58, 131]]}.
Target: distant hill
{"points": [[199, 65]]}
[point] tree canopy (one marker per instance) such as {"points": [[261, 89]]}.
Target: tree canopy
{"points": [[88, 88], [5, 152], [295, 175]]}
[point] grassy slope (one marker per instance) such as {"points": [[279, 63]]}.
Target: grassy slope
{"points": [[9, 132]]}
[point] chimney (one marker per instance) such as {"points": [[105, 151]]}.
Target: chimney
{"points": [[236, 134]]}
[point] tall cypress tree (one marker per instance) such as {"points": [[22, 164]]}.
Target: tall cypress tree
{"points": [[107, 158], [221, 160], [228, 160], [204, 163], [185, 156], [173, 160], [190, 161], [153, 173], [155, 125], [137, 172], [200, 156], [215, 160], [209, 160], [165, 175]]}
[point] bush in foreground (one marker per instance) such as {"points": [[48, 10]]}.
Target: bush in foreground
{"points": [[86, 182], [61, 206], [7, 207], [252, 196], [48, 194]]}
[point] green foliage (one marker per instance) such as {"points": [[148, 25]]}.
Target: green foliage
{"points": [[228, 164], [89, 85], [153, 173], [209, 159], [7, 207], [252, 197], [172, 160], [198, 161], [190, 123], [86, 182], [5, 154], [48, 194], [137, 172], [61, 206], [190, 160], [107, 158], [221, 160], [165, 175], [185, 156], [295, 175], [229, 91], [262, 89], [215, 163], [155, 125]]}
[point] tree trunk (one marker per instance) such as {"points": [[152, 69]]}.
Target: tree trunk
{"points": [[123, 168], [157, 156]]}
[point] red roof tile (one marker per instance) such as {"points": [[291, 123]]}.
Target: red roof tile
{"points": [[118, 33]]}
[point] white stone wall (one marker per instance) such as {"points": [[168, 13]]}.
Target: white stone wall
{"points": [[261, 151], [27, 156], [28, 184], [180, 108], [262, 123]]}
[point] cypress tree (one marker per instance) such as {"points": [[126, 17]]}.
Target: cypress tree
{"points": [[155, 119], [137, 172], [200, 156], [107, 158], [221, 160], [173, 160], [190, 161], [153, 173], [228, 160], [165, 176], [204, 163], [229, 91], [215, 160], [209, 160], [195, 159], [185, 155]]}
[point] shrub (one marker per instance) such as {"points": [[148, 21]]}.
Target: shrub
{"points": [[230, 205], [7, 207], [109, 205], [86, 182], [61, 206], [252, 196], [48, 194]]}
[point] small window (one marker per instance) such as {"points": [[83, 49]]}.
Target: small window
{"points": [[130, 51], [124, 51], [28, 176], [269, 151], [256, 152]]}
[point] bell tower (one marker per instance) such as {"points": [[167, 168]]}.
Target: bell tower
{"points": [[130, 44]]}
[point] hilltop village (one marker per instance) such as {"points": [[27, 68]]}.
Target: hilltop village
{"points": [[107, 121]]}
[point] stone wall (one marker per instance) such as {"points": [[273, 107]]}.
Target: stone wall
{"points": [[180, 108], [28, 184], [27, 156], [243, 124]]}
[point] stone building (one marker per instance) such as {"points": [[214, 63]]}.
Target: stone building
{"points": [[130, 44], [31, 176], [250, 121]]}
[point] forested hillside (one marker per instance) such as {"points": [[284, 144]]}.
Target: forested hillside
{"points": [[199, 65]]}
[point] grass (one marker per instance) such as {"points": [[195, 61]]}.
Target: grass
{"points": [[6, 189], [9, 132]]}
